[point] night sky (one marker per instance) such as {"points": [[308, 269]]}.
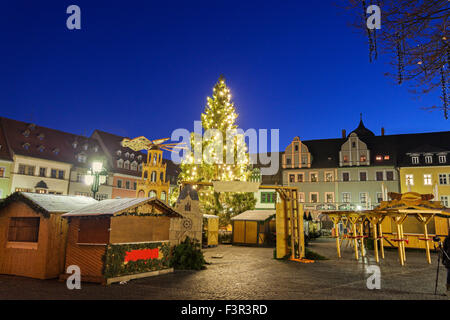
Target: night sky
{"points": [[146, 67]]}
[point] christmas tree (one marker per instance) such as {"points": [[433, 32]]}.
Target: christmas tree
{"points": [[207, 159]]}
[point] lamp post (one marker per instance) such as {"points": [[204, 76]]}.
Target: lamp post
{"points": [[96, 176]]}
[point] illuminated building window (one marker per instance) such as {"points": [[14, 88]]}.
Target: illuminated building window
{"points": [[409, 179], [427, 179]]}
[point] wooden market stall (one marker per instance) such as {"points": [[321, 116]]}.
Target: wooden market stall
{"points": [[210, 230], [253, 227], [388, 222], [120, 239], [290, 240], [33, 234]]}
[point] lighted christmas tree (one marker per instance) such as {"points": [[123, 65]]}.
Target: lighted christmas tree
{"points": [[207, 159]]}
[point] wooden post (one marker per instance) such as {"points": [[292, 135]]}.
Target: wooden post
{"points": [[403, 242], [301, 237], [355, 241], [427, 243], [400, 249], [338, 244], [363, 251], [291, 220], [381, 239], [375, 239]]}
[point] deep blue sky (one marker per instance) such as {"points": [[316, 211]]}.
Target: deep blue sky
{"points": [[146, 67]]}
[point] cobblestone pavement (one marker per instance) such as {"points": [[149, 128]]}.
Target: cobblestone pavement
{"points": [[252, 273]]}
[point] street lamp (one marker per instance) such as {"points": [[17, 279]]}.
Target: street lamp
{"points": [[96, 176]]}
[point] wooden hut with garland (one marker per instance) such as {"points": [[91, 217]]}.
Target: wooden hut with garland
{"points": [[33, 234], [120, 239]]}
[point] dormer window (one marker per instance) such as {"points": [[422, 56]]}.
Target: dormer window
{"points": [[85, 147], [74, 145], [134, 165], [82, 158], [442, 159], [132, 156], [95, 149], [428, 159], [140, 167], [31, 126], [126, 165], [41, 136], [41, 148], [26, 146], [127, 155], [120, 163], [139, 157], [415, 160], [119, 153], [379, 158], [56, 151], [386, 157], [26, 133]]}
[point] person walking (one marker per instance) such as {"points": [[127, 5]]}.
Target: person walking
{"points": [[446, 259]]}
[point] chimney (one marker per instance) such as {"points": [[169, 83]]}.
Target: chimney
{"points": [[344, 134], [382, 131]]}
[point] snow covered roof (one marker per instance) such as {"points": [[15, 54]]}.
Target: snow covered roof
{"points": [[255, 215], [210, 216], [115, 206], [50, 203]]}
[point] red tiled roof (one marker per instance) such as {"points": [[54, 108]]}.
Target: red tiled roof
{"points": [[31, 140]]}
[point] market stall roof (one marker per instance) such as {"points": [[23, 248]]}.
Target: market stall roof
{"points": [[117, 206], [210, 216], [255, 215], [49, 203]]}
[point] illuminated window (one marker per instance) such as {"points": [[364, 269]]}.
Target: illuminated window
{"points": [[428, 159], [329, 197], [291, 178], [300, 177], [409, 179], [2, 172], [427, 179], [442, 159], [386, 157], [345, 158], [329, 176], [363, 158], [415, 160], [379, 158], [363, 197], [346, 197]]}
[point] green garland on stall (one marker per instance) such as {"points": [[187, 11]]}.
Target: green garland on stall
{"points": [[114, 259]]}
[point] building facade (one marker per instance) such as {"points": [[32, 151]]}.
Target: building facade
{"points": [[354, 172], [6, 163]]}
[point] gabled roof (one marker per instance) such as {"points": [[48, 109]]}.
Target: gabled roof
{"points": [[111, 207], [28, 139], [255, 215], [49, 203]]}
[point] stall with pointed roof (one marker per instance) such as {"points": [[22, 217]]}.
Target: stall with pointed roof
{"points": [[33, 235], [120, 239]]}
